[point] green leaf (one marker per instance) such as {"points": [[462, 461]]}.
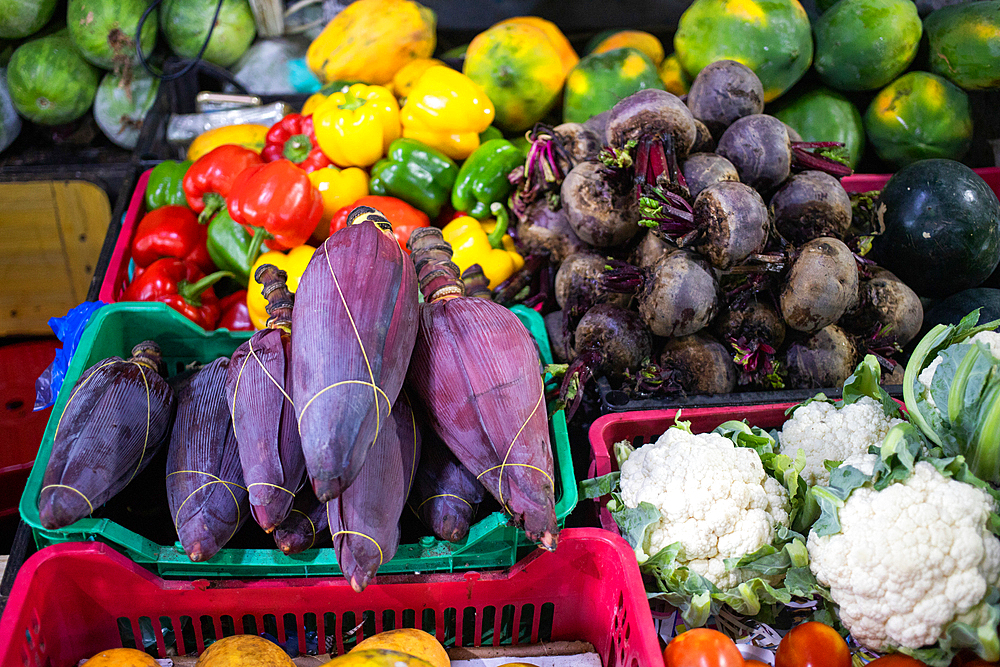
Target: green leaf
{"points": [[864, 381], [801, 583], [599, 486], [634, 521], [900, 449], [622, 450], [831, 465], [818, 398], [830, 498]]}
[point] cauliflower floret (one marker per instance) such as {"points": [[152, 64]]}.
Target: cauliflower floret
{"points": [[714, 498], [825, 433], [989, 338], [909, 559]]}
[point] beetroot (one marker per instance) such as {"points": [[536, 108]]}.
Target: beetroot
{"points": [[723, 92], [618, 334], [809, 205], [704, 169], [703, 364], [731, 223], [825, 359], [821, 285], [600, 208]]}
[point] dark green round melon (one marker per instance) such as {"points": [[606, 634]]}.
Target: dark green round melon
{"points": [[120, 108], [50, 83], [942, 227], [186, 22], [104, 30], [21, 18]]}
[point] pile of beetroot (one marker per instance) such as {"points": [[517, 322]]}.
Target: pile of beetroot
{"points": [[698, 246]]}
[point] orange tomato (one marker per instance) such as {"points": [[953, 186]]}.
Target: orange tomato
{"points": [[702, 647], [756, 663], [812, 644]]}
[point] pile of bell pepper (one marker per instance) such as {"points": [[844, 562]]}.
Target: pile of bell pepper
{"points": [[429, 158]]}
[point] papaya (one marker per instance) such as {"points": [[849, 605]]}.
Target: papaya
{"points": [[917, 116], [520, 70], [244, 651], [637, 39], [121, 657], [601, 80], [771, 37], [567, 56], [49, 81], [408, 74], [377, 657], [104, 31], [673, 76], [865, 44], [823, 114], [22, 18], [185, 24], [411, 641], [371, 40], [965, 44]]}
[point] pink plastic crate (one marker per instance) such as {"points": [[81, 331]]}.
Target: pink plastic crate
{"points": [[868, 182], [75, 599], [646, 426], [116, 277]]}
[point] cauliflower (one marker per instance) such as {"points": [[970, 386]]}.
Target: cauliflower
{"points": [[715, 499], [989, 338], [826, 433], [909, 559]]}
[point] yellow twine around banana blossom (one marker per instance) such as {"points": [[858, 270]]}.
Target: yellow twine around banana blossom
{"points": [[215, 480], [381, 556], [66, 486], [239, 376], [149, 417], [443, 495], [312, 527], [504, 464]]}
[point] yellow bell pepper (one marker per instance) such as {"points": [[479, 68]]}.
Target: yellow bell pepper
{"points": [[292, 262], [248, 135], [447, 110], [313, 102], [338, 188], [355, 128], [484, 243]]}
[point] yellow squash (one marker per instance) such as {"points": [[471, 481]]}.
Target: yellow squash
{"points": [[371, 40], [249, 135]]}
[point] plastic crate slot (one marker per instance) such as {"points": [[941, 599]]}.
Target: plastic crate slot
{"points": [[388, 620], [409, 618], [228, 628], [428, 622], [207, 632], [470, 629], [449, 623], [524, 616], [488, 615], [290, 627], [125, 633], [28, 640], [508, 624], [188, 640], [167, 633], [545, 622], [348, 630], [329, 633], [370, 627], [248, 625]]}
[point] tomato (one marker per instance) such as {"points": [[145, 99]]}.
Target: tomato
{"points": [[896, 660], [812, 644], [702, 647], [756, 663]]}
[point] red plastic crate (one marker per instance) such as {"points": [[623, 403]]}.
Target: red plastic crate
{"points": [[869, 182], [648, 425], [75, 599], [116, 277]]}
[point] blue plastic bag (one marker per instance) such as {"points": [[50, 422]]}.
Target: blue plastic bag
{"points": [[68, 329]]}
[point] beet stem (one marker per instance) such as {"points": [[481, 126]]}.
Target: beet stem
{"points": [[807, 160]]}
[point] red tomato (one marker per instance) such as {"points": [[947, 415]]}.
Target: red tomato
{"points": [[979, 662], [756, 663], [896, 660], [812, 644], [702, 647]]}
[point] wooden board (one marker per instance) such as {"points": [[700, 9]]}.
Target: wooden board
{"points": [[51, 234]]}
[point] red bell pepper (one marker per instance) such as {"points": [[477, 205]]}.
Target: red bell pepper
{"points": [[171, 231], [404, 218], [182, 286], [235, 313], [279, 199], [209, 180], [294, 139]]}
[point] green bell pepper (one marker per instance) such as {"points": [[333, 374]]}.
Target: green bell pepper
{"points": [[230, 246], [489, 134], [483, 178], [165, 185], [416, 173]]}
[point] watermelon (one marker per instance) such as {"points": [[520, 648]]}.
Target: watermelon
{"points": [[601, 80], [186, 23], [822, 114], [104, 30], [50, 83], [120, 107], [771, 37], [21, 18], [965, 44], [919, 116], [865, 44]]}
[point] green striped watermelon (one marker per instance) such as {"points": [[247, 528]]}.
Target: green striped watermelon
{"points": [[50, 83], [21, 18], [185, 24], [104, 30]]}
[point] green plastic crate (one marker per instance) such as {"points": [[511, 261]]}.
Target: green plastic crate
{"points": [[115, 328]]}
